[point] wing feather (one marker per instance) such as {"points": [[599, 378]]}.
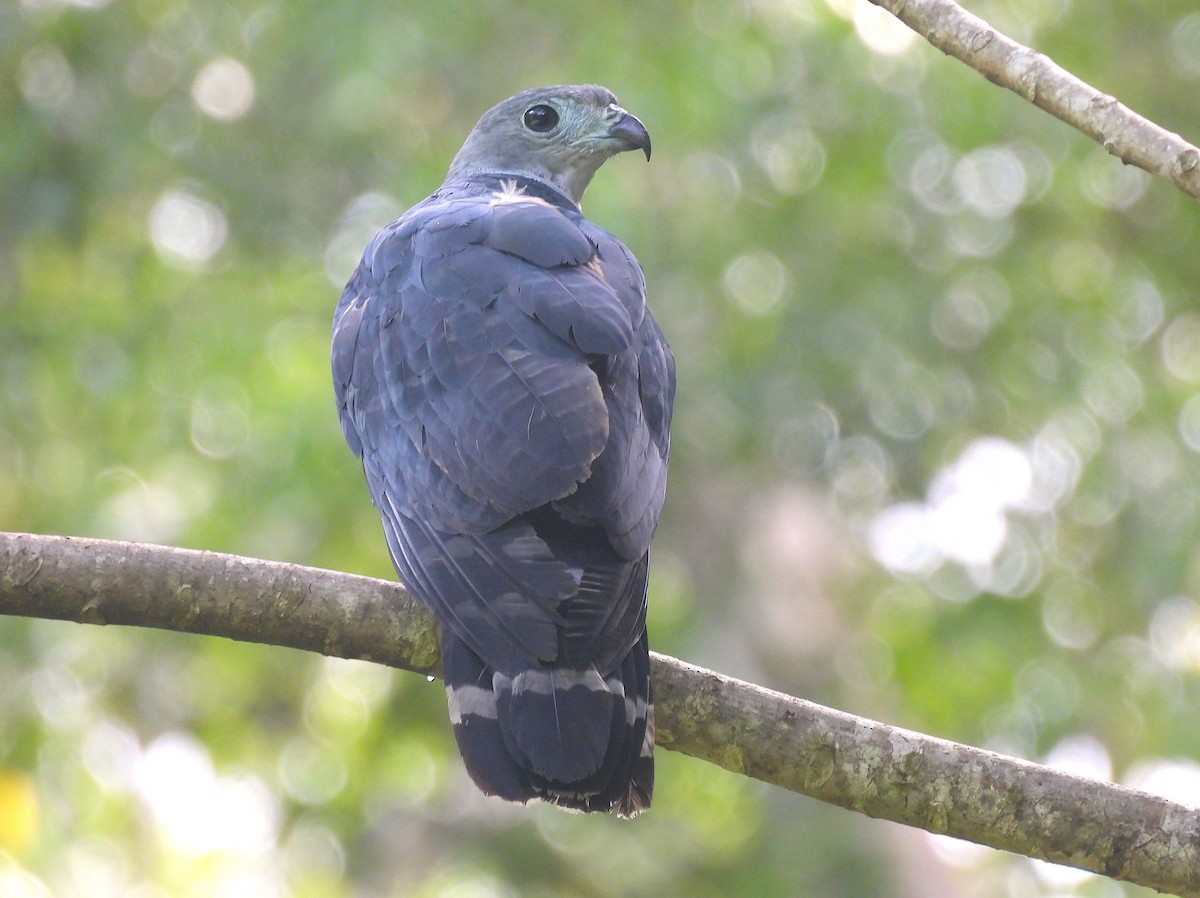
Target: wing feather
{"points": [[497, 370]]}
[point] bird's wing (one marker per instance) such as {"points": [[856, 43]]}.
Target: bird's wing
{"points": [[628, 484], [473, 354]]}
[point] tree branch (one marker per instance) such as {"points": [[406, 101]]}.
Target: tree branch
{"points": [[878, 770], [1121, 131]]}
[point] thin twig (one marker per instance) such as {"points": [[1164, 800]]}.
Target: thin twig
{"points": [[1121, 131], [878, 770]]}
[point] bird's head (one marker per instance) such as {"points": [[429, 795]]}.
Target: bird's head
{"points": [[560, 135]]}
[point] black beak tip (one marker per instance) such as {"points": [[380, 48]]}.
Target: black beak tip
{"points": [[633, 133]]}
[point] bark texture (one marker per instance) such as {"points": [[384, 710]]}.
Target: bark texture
{"points": [[859, 764], [1121, 131]]}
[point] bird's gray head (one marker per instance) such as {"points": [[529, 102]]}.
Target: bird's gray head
{"points": [[560, 135]]}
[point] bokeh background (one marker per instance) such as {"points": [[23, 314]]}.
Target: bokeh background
{"points": [[937, 454]]}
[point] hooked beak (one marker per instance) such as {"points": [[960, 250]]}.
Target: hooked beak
{"points": [[631, 133]]}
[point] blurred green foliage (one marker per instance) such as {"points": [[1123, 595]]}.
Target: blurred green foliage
{"points": [[936, 441]]}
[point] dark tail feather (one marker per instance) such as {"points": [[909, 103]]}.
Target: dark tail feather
{"points": [[475, 720], [572, 738], [638, 753]]}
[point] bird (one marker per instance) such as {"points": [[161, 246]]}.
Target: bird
{"points": [[509, 394]]}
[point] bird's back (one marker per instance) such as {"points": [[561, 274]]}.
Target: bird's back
{"points": [[498, 372]]}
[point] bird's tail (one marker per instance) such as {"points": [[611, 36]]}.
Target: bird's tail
{"points": [[576, 738]]}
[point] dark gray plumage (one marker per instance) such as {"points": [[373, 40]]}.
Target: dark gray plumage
{"points": [[510, 395]]}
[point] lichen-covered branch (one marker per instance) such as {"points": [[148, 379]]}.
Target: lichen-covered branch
{"points": [[937, 785], [878, 770], [97, 581], [1121, 131]]}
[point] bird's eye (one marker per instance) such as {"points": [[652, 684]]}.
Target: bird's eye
{"points": [[541, 118]]}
